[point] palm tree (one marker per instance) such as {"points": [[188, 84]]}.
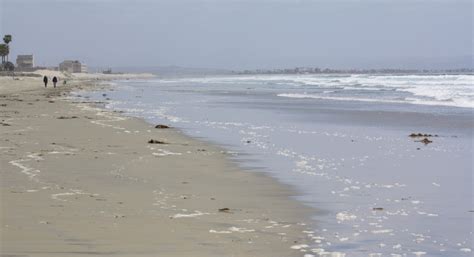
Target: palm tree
{"points": [[4, 51], [7, 39]]}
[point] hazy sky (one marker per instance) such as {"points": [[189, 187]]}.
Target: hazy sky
{"points": [[240, 34]]}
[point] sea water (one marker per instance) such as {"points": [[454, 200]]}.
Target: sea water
{"points": [[342, 141]]}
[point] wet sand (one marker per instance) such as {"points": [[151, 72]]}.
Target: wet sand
{"points": [[80, 180]]}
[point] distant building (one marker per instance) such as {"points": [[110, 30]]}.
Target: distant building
{"points": [[25, 62], [73, 66]]}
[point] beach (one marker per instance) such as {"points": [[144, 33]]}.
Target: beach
{"points": [[310, 128], [310, 165], [77, 179]]}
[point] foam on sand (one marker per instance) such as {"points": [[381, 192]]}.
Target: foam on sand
{"points": [[189, 215], [345, 216], [162, 152], [28, 171], [72, 192], [231, 230]]}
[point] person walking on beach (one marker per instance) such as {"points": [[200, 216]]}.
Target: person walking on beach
{"points": [[45, 80], [55, 80]]}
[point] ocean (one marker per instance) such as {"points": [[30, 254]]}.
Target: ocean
{"points": [[342, 142]]}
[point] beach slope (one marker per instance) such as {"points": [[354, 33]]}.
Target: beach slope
{"points": [[79, 180]]}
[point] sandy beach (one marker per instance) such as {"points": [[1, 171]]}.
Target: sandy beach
{"points": [[236, 128], [80, 180]]}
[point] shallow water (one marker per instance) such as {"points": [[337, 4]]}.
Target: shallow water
{"points": [[342, 141]]}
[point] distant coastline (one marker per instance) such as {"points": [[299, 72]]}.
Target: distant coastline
{"points": [[190, 71], [310, 70]]}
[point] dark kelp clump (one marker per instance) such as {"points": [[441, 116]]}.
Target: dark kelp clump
{"points": [[154, 141]]}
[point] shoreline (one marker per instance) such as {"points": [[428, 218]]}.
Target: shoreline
{"points": [[379, 190], [83, 180]]}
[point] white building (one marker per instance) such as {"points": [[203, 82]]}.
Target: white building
{"points": [[73, 66], [25, 62]]}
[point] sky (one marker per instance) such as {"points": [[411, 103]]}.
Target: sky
{"points": [[243, 34]]}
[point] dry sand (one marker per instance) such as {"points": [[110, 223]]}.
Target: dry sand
{"points": [[79, 180], [28, 82]]}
